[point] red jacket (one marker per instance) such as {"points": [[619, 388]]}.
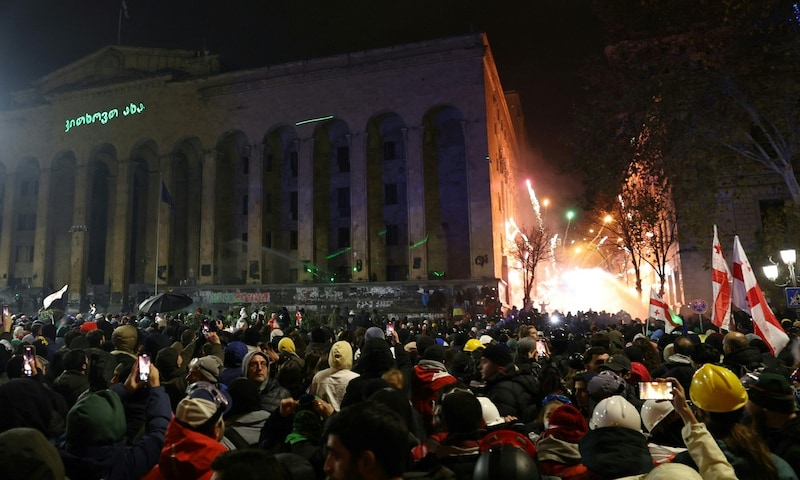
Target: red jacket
{"points": [[187, 455], [429, 377]]}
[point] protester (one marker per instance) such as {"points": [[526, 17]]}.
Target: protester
{"points": [[330, 384], [772, 407]]}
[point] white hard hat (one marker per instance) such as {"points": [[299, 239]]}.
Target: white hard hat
{"points": [[615, 412], [486, 339], [653, 411], [491, 415]]}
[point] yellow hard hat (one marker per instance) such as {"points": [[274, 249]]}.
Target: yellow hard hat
{"points": [[472, 345], [717, 389]]}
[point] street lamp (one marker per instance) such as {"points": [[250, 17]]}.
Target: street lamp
{"points": [[789, 257], [570, 216]]}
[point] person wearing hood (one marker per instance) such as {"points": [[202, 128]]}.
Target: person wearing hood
{"points": [[430, 376], [331, 384], [126, 341], [94, 444], [771, 404], [255, 366], [27, 454], [193, 435], [173, 374], [235, 352]]}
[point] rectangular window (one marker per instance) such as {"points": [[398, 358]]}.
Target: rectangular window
{"points": [[244, 242], [389, 151], [292, 205], [344, 237], [293, 163], [245, 165], [24, 254], [343, 201], [293, 240], [268, 239], [268, 162], [267, 203], [343, 158], [26, 222], [390, 193], [392, 235], [245, 200]]}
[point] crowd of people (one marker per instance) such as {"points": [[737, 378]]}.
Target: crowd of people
{"points": [[269, 396]]}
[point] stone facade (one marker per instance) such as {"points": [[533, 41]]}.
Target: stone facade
{"points": [[135, 169]]}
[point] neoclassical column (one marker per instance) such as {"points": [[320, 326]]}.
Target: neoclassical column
{"points": [[40, 247], [305, 208], [415, 177], [119, 259], [78, 264], [164, 215], [207, 224], [8, 229], [255, 215], [359, 220]]}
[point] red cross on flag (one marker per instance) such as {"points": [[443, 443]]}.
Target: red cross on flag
{"points": [[721, 286], [765, 325]]}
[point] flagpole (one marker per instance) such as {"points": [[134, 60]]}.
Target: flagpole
{"points": [[158, 233]]}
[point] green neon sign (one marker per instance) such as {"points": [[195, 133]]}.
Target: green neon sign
{"points": [[102, 117]]}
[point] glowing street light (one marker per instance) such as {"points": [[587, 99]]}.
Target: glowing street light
{"points": [[570, 215]]}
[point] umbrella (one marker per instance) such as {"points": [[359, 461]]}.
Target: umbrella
{"points": [[165, 302]]}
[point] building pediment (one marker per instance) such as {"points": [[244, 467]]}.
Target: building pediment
{"points": [[119, 64]]}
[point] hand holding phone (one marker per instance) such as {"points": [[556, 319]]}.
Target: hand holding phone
{"points": [[655, 390], [28, 361], [144, 367]]}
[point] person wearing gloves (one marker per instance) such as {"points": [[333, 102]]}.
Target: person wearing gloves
{"points": [[94, 445], [719, 398]]}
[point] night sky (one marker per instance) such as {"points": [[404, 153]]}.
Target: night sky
{"points": [[538, 44]]}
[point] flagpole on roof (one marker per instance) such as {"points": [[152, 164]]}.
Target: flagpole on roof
{"points": [[158, 233]]}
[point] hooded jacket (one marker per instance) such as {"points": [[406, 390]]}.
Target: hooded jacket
{"points": [[271, 391], [187, 455], [234, 354], [429, 378], [331, 384], [743, 361], [115, 461], [615, 452]]}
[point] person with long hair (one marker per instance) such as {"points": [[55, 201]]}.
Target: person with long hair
{"points": [[651, 357], [719, 399]]}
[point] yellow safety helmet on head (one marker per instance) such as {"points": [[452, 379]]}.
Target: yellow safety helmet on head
{"points": [[717, 389], [472, 345]]}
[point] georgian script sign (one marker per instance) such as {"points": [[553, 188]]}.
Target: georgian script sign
{"points": [[102, 117]]}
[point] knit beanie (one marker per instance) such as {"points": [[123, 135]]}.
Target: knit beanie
{"points": [[567, 424], [773, 392], [423, 342], [97, 418], [125, 338], [373, 332], [208, 367], [286, 345], [434, 353], [26, 453], [498, 354]]}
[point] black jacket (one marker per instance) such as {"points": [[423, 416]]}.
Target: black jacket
{"points": [[514, 395]]}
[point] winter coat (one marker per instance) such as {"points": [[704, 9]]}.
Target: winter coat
{"points": [[244, 430], [429, 378], [615, 452], [117, 461], [785, 442], [187, 455], [271, 391], [743, 361], [71, 384], [743, 469], [560, 458], [331, 384], [514, 395]]}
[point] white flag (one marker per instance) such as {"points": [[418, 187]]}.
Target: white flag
{"points": [[721, 286], [48, 300], [765, 325]]}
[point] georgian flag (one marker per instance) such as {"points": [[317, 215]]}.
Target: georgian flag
{"points": [[659, 310], [739, 292], [721, 286], [765, 325]]}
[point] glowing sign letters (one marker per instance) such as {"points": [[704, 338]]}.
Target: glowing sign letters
{"points": [[102, 117]]}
